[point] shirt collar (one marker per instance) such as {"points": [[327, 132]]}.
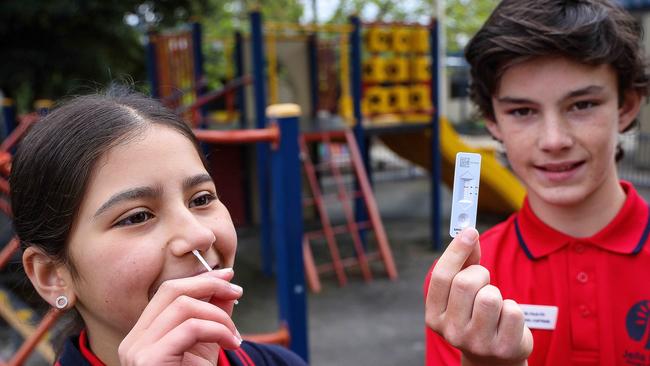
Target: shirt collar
{"points": [[625, 234], [93, 360]]}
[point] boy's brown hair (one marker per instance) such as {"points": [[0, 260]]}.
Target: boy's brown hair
{"points": [[592, 32]]}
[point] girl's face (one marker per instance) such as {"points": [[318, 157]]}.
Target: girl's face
{"points": [[148, 204]]}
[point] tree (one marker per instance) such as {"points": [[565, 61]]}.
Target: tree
{"points": [[462, 17], [53, 48]]}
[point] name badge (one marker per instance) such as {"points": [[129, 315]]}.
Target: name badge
{"points": [[540, 316]]}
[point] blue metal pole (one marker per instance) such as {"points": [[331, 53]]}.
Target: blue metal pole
{"points": [[313, 75], [152, 65], [288, 233], [239, 72], [197, 51], [243, 120], [436, 169], [360, 212], [43, 106], [261, 149], [9, 115]]}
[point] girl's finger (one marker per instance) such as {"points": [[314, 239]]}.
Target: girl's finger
{"points": [[171, 348], [193, 331], [182, 309], [204, 286]]}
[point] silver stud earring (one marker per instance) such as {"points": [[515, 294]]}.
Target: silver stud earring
{"points": [[61, 302]]}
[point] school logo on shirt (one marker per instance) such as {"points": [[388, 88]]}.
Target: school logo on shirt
{"points": [[637, 322]]}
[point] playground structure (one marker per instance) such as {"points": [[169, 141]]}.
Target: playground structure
{"points": [[281, 136], [391, 95]]}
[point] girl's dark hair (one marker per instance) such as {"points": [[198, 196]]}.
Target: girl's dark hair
{"points": [[594, 32], [56, 158]]}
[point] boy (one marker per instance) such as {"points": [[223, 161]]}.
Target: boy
{"points": [[556, 81]]}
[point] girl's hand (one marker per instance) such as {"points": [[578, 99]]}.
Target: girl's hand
{"points": [[176, 328], [470, 313]]}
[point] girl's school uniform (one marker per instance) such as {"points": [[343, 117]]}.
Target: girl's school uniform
{"points": [[77, 353]]}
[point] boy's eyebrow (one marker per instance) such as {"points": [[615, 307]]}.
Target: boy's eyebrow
{"points": [[584, 91], [572, 94], [129, 194], [196, 180]]}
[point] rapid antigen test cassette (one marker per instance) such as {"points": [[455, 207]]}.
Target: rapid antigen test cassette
{"points": [[467, 177]]}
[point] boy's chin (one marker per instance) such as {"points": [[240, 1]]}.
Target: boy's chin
{"points": [[561, 196]]}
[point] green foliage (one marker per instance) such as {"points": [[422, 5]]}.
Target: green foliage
{"points": [[53, 48], [49, 49], [463, 18], [230, 16]]}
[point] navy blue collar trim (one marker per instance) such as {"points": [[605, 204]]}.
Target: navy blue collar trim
{"points": [[644, 237], [522, 243], [637, 249]]}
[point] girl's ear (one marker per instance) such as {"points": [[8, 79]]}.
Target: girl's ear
{"points": [[50, 278], [494, 129], [629, 110]]}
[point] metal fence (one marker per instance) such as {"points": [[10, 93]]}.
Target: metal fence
{"points": [[635, 165]]}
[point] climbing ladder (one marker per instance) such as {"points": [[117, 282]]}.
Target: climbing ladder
{"points": [[331, 163], [17, 314]]}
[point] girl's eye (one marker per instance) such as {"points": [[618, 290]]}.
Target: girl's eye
{"points": [[136, 218], [202, 200]]}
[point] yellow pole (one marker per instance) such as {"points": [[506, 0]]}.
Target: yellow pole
{"points": [[345, 102], [272, 57]]}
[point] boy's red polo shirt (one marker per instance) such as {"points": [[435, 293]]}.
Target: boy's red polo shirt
{"points": [[600, 284]]}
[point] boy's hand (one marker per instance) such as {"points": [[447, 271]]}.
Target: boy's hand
{"points": [[470, 313]]}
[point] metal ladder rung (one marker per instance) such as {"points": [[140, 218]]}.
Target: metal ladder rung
{"points": [[337, 229]]}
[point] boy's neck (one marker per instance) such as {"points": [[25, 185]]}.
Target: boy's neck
{"points": [[587, 217]]}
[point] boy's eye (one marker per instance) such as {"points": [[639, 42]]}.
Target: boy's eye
{"points": [[585, 104], [136, 218], [202, 200], [521, 112]]}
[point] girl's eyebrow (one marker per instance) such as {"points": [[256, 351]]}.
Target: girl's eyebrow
{"points": [[130, 194], [149, 192], [196, 180]]}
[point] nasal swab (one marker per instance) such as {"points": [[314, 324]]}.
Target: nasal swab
{"points": [[205, 264], [202, 260]]}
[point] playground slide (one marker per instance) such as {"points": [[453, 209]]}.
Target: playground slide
{"points": [[500, 192]]}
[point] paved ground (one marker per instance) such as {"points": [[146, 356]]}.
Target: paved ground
{"points": [[379, 323]]}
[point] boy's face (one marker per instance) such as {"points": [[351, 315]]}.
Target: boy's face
{"points": [[559, 122]]}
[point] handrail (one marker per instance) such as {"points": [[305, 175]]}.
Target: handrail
{"points": [[270, 134]]}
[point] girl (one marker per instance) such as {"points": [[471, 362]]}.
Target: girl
{"points": [[111, 196]]}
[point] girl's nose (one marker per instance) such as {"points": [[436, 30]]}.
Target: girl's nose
{"points": [[188, 234]]}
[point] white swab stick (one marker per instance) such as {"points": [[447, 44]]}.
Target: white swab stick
{"points": [[201, 259]]}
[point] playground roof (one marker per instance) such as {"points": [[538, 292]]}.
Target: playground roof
{"points": [[635, 4]]}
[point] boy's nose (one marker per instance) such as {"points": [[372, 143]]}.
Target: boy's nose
{"points": [[188, 233], [555, 134]]}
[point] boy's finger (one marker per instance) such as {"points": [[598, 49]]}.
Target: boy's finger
{"points": [[450, 263]]}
